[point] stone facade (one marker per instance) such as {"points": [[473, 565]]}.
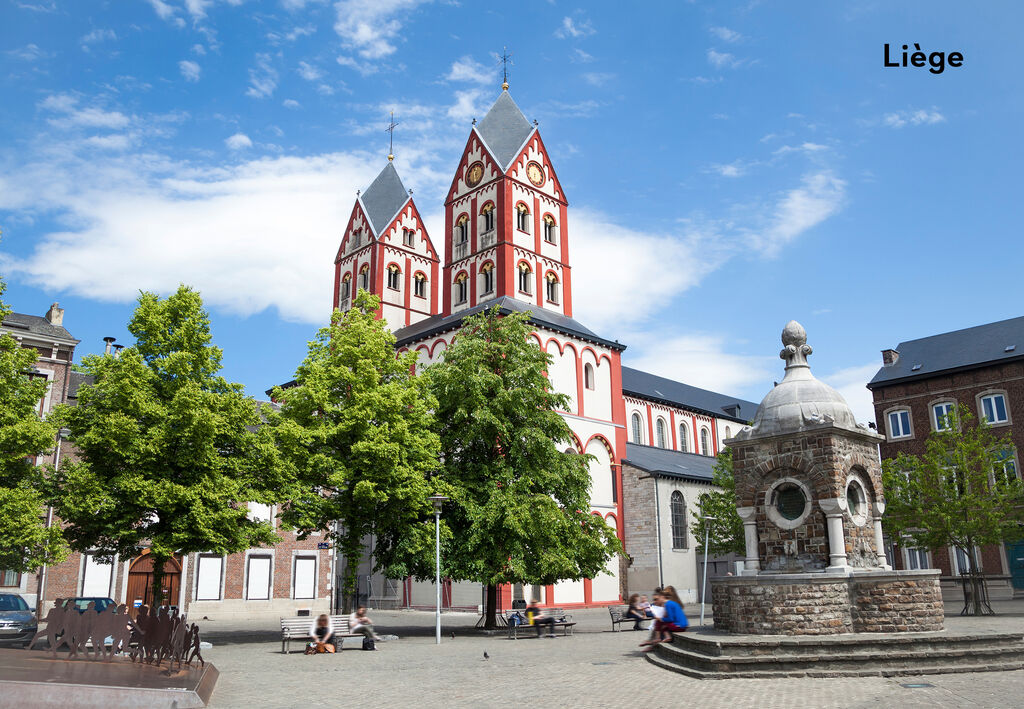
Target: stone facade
{"points": [[820, 604]]}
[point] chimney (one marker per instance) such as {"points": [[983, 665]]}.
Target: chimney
{"points": [[890, 357], [55, 315], [110, 341], [117, 351]]}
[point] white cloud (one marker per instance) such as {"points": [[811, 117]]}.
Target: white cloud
{"points": [[569, 28], [467, 69], [166, 12], [238, 141], [364, 68], [114, 141], [722, 60], [198, 49], [262, 78], [467, 105], [725, 34], [850, 382], [596, 78], [189, 69], [914, 118], [98, 36], [74, 117], [803, 147], [578, 56], [197, 8], [292, 5], [820, 195], [368, 27], [28, 53], [291, 103], [309, 72], [733, 169]]}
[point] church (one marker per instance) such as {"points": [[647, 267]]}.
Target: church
{"points": [[506, 244]]}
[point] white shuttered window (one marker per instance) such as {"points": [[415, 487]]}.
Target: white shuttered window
{"points": [[305, 577], [96, 578], [258, 586], [209, 575]]}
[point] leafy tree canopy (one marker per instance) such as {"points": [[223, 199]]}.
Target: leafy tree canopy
{"points": [[726, 536], [357, 433]]}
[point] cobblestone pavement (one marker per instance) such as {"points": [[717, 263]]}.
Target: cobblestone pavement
{"points": [[593, 668]]}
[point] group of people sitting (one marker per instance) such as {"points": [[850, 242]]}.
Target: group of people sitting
{"points": [[666, 611], [321, 633]]}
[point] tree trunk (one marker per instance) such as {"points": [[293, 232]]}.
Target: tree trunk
{"points": [[976, 583], [350, 580], [491, 611], [158, 579]]}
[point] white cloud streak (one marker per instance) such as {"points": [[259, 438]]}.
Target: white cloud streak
{"points": [[262, 78], [468, 70], [189, 69], [571, 29], [725, 34], [914, 118], [368, 27], [238, 141]]}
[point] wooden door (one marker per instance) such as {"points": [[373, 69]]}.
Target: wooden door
{"points": [[140, 582]]}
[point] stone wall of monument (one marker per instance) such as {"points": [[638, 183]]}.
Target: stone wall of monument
{"points": [[897, 605]]}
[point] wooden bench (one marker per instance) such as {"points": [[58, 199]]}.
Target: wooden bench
{"points": [[618, 615], [566, 625], [298, 629]]}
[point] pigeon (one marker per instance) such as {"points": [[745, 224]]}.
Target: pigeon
{"points": [[486, 656]]}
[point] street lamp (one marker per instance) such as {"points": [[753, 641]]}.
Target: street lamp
{"points": [[704, 586], [437, 501]]}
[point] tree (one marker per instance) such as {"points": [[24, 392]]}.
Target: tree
{"points": [[963, 491], [520, 505], [26, 542], [357, 432], [720, 503], [169, 453]]}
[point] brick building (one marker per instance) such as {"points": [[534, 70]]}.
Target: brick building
{"points": [[919, 382]]}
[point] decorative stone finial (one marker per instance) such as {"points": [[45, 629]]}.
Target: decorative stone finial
{"points": [[504, 86], [796, 349]]}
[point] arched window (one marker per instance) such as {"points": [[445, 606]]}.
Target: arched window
{"points": [[525, 278], [408, 237], [364, 277], [488, 214], [487, 278], [550, 229], [588, 376], [684, 438], [728, 432], [552, 288], [356, 240], [462, 229], [659, 427], [522, 217], [677, 508], [461, 291], [638, 430], [394, 276], [420, 285], [346, 286], [705, 443]]}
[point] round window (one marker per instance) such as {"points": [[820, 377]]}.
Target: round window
{"points": [[856, 501], [790, 501]]}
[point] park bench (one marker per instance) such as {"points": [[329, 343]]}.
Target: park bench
{"points": [[298, 629], [618, 615], [566, 625]]}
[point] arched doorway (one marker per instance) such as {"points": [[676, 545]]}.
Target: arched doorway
{"points": [[140, 581]]}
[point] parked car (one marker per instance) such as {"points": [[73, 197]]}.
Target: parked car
{"points": [[81, 603], [17, 621]]}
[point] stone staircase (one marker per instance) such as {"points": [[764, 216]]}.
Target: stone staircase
{"points": [[709, 655]]}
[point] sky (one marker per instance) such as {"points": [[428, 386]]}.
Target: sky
{"points": [[729, 166]]}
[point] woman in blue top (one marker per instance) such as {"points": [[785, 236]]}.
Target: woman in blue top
{"points": [[674, 619]]}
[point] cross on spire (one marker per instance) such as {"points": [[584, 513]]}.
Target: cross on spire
{"points": [[391, 137], [506, 60]]}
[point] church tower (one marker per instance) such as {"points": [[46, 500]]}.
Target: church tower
{"points": [[505, 218], [385, 250]]}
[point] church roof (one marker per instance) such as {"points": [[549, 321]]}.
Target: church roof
{"points": [[650, 386], [665, 462], [504, 129], [383, 198], [540, 317], [37, 326], [971, 347]]}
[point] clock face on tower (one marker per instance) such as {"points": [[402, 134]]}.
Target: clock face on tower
{"points": [[535, 173], [474, 174]]}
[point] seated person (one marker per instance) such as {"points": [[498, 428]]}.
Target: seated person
{"points": [[535, 616], [635, 611], [673, 621], [360, 623], [320, 634], [645, 606]]}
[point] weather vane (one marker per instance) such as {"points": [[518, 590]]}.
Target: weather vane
{"points": [[506, 60], [391, 137]]}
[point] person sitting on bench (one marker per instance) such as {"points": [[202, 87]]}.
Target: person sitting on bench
{"points": [[320, 634], [359, 622], [535, 616], [635, 611]]}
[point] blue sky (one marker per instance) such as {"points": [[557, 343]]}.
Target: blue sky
{"points": [[729, 166]]}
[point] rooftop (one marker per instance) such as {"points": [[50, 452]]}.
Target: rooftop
{"points": [[36, 325], [504, 129], [960, 349], [650, 386], [670, 463], [382, 200]]}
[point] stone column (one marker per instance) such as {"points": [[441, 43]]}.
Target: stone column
{"points": [[751, 564], [877, 508], [833, 509]]}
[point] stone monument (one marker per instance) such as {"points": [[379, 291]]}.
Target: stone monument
{"points": [[809, 492]]}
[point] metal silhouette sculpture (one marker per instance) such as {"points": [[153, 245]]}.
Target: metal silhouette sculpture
{"points": [[152, 637]]}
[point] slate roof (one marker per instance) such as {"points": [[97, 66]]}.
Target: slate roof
{"points": [[37, 326], [650, 386], [669, 463], [75, 381], [504, 129], [383, 198], [538, 316], [960, 349]]}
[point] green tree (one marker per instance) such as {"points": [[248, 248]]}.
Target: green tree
{"points": [[26, 542], [520, 505], [963, 491], [169, 452], [726, 535], [357, 433]]}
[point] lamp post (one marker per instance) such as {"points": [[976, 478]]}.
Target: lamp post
{"points": [[437, 501], [704, 585]]}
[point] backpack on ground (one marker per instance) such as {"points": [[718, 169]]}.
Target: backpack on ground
{"points": [[368, 644]]}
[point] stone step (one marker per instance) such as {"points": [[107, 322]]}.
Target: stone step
{"points": [[712, 646], [824, 672]]}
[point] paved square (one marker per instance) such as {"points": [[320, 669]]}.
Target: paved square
{"points": [[593, 668]]}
